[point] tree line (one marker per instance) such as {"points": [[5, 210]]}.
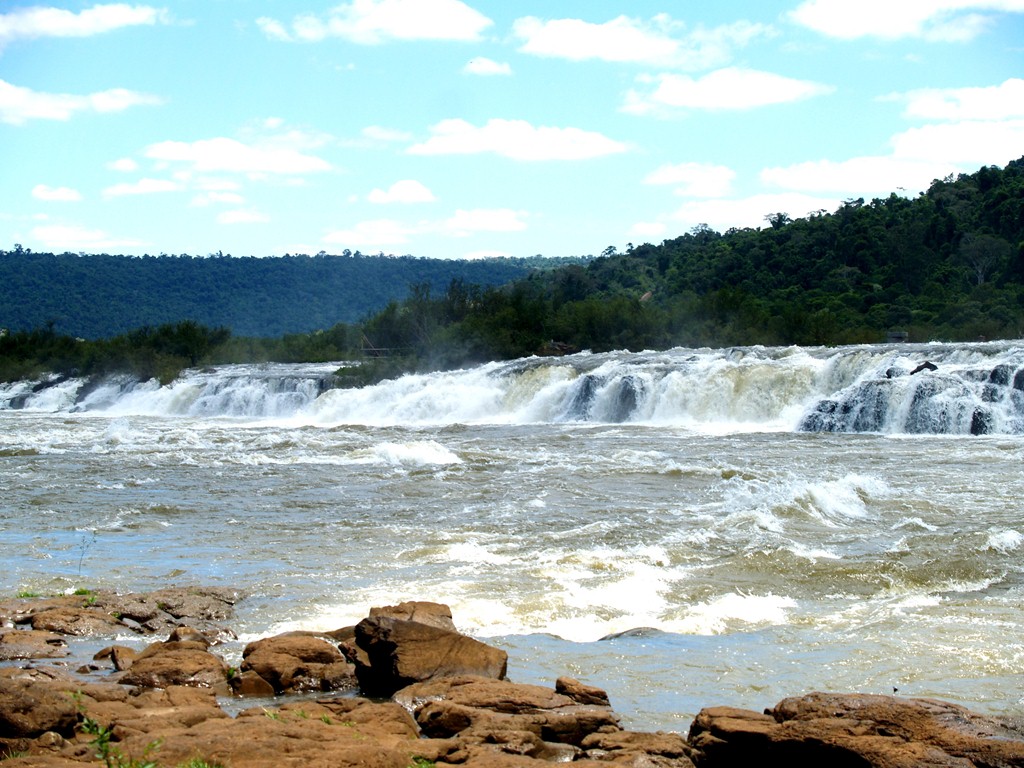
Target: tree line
{"points": [[102, 295], [945, 265]]}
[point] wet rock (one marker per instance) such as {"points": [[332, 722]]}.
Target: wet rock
{"points": [[400, 653], [855, 730], [466, 706], [432, 614], [177, 662], [657, 750], [75, 621], [298, 662], [101, 612], [31, 644], [581, 693], [120, 656], [249, 683]]}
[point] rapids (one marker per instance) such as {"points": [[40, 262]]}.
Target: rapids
{"points": [[683, 528]]}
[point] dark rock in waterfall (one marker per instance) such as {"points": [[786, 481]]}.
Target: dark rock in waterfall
{"points": [[1018, 380], [1001, 375], [927, 365], [981, 422], [628, 394], [583, 399]]}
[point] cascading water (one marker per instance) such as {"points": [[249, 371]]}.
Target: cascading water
{"points": [[932, 388], [636, 518]]}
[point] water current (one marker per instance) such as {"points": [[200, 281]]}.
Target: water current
{"points": [[683, 528]]}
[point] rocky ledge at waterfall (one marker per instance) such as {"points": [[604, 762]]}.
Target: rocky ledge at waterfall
{"points": [[403, 688]]}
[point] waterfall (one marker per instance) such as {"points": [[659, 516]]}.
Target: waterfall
{"points": [[968, 389]]}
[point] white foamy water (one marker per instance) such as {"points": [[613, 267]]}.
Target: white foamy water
{"points": [[663, 525]]}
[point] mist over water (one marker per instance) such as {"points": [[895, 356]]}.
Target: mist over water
{"points": [[685, 529]]}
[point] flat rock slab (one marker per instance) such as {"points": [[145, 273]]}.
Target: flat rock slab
{"points": [[856, 729], [31, 644]]}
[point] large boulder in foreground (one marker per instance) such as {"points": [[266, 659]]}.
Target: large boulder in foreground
{"points": [[856, 730], [399, 653]]}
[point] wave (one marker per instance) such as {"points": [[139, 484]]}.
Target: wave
{"points": [[896, 389]]}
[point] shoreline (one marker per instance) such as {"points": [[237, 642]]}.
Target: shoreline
{"points": [[407, 688]]}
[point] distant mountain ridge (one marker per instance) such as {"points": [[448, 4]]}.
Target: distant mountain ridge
{"points": [[98, 296]]}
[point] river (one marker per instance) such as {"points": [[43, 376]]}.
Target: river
{"points": [[683, 528]]}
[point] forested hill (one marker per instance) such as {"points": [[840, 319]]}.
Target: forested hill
{"points": [[98, 296], [945, 265], [948, 263]]}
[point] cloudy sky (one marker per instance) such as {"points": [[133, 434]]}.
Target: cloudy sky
{"points": [[454, 129]]}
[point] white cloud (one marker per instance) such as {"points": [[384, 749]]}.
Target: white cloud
{"points": [[465, 223], [996, 102], [486, 67], [935, 20], [56, 194], [375, 233], [378, 233], [660, 42], [124, 165], [730, 88], [648, 229], [694, 179], [721, 215], [860, 176], [18, 105], [38, 21], [378, 133], [214, 198], [370, 22], [404, 191], [232, 156], [141, 187], [73, 238], [242, 217], [971, 142], [516, 139]]}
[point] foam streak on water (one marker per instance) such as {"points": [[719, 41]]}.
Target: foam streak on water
{"points": [[734, 560]]}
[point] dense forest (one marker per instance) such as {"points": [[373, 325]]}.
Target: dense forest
{"points": [[98, 296], [946, 265]]}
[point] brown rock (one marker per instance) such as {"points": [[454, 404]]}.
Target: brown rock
{"points": [[581, 692], [857, 729], [249, 683], [76, 621], [31, 644], [31, 707], [404, 652], [635, 748], [326, 734], [298, 663], [189, 634], [177, 666], [481, 707], [432, 614], [122, 657]]}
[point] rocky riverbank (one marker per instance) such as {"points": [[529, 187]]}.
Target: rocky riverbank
{"points": [[402, 688]]}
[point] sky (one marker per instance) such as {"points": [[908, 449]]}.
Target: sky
{"points": [[451, 129]]}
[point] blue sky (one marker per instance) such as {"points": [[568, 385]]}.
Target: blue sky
{"points": [[453, 129]]}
